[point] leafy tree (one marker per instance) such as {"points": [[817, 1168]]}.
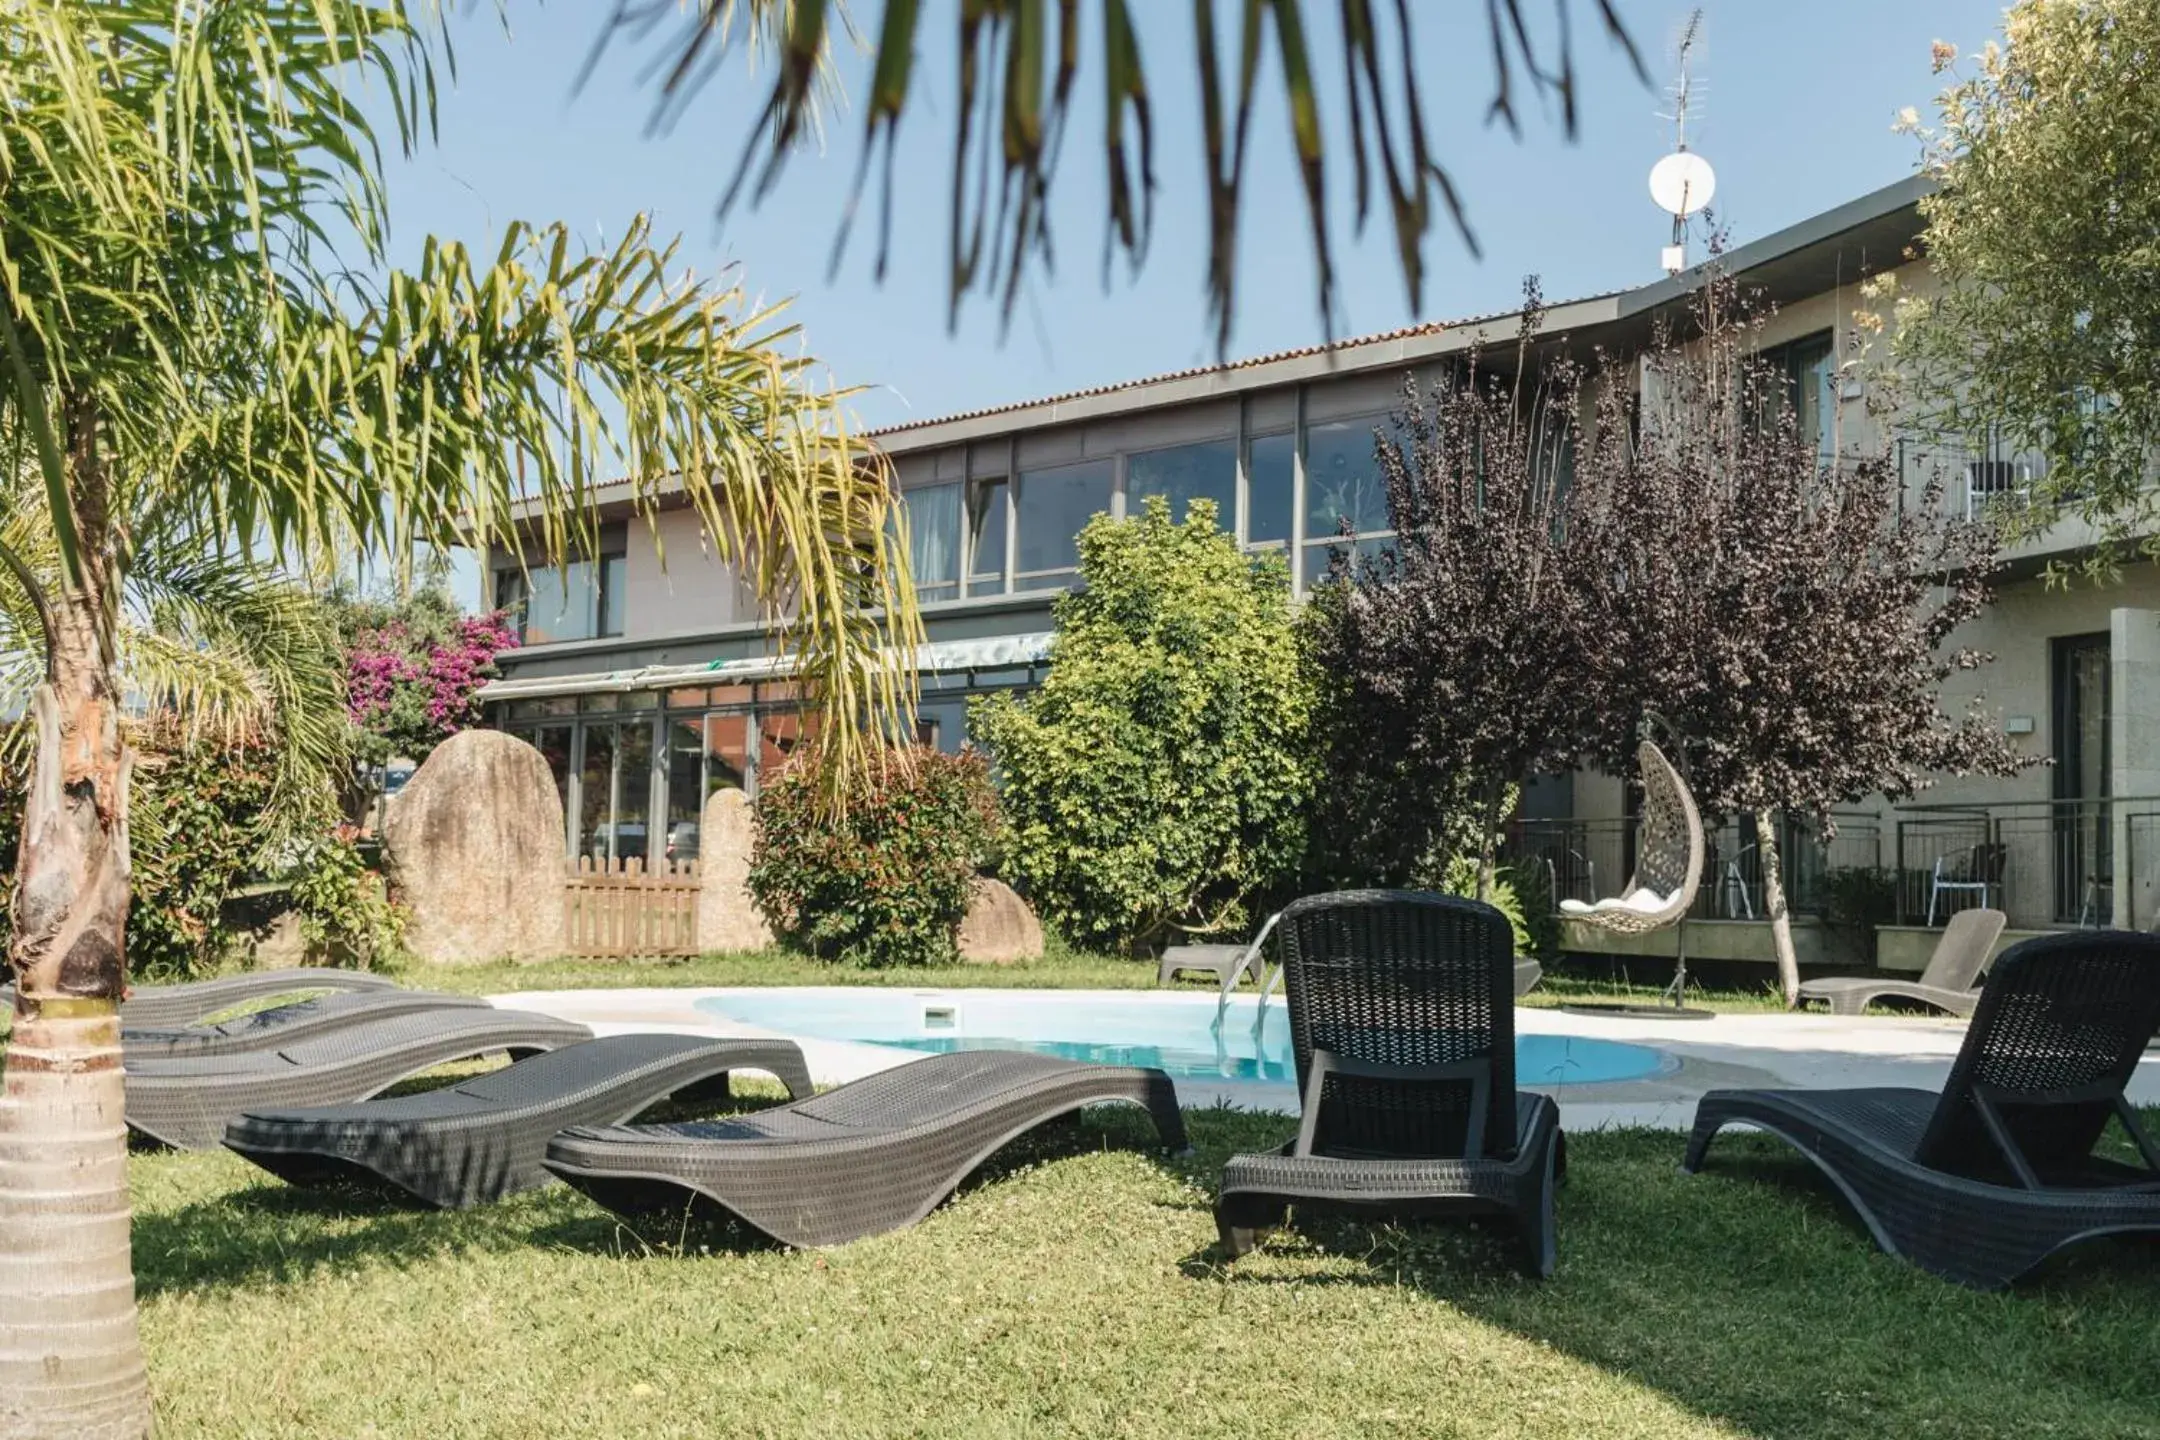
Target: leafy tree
{"points": [[1020, 64], [1792, 620], [1453, 668], [187, 352], [1156, 783], [2046, 325]]}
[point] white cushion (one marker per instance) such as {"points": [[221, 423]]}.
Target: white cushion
{"points": [[1643, 901]]}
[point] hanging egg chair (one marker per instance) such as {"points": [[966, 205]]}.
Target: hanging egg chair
{"points": [[1668, 868]]}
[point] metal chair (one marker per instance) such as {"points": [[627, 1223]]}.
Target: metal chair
{"points": [[1975, 870], [1735, 896]]}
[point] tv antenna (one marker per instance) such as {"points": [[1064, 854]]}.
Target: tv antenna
{"points": [[1682, 183]]}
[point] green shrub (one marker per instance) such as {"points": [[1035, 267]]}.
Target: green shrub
{"points": [[888, 884], [195, 831], [1460, 878], [198, 828], [346, 917], [1156, 783]]}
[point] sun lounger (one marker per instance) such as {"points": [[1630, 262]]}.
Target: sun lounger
{"points": [[271, 1029], [1946, 984], [156, 1006], [1402, 1020], [1987, 1179], [483, 1139], [868, 1157], [185, 1103]]}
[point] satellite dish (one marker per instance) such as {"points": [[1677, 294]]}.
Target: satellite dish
{"points": [[1682, 183]]}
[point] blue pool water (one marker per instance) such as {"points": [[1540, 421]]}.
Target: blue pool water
{"points": [[1173, 1034]]}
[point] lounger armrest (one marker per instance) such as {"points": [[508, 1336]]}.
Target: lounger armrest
{"points": [[1477, 1073], [1988, 1098]]}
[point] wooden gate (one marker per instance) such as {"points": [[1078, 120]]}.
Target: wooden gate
{"points": [[621, 910]]}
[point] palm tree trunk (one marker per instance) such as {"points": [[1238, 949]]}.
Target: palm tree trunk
{"points": [[1773, 886], [71, 1361]]}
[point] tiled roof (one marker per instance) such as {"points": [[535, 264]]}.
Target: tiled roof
{"points": [[1407, 332]]}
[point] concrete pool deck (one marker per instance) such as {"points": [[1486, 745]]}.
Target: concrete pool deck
{"points": [[1809, 1051]]}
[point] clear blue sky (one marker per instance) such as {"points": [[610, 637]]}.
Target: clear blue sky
{"points": [[1796, 106]]}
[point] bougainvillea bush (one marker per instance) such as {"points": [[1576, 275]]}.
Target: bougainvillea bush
{"points": [[888, 884], [415, 668]]}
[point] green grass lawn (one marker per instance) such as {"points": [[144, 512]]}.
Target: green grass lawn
{"points": [[1074, 1290]]}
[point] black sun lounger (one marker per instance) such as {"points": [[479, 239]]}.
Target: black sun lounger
{"points": [[186, 1103], [1402, 1020], [482, 1140], [273, 1029], [1985, 1180], [161, 1006], [868, 1157]]}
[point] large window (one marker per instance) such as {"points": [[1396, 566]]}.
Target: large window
{"points": [[1183, 474], [986, 536], [579, 601], [1052, 507], [933, 514], [1810, 377], [1342, 483], [1270, 488]]}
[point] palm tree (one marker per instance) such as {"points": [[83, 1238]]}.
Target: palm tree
{"points": [[201, 338], [1020, 61]]}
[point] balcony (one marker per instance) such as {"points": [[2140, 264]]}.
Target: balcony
{"points": [[1587, 859], [1992, 478], [2046, 864]]}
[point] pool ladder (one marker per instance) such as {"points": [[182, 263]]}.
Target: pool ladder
{"points": [[1268, 980]]}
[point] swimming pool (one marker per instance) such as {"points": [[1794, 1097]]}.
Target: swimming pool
{"points": [[1175, 1033]]}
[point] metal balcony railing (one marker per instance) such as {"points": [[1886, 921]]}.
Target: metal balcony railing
{"points": [[1588, 859], [2044, 863], [1979, 478]]}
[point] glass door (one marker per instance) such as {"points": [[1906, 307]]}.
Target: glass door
{"points": [[2084, 840]]}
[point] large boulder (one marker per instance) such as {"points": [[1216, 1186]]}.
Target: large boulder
{"points": [[473, 847], [1000, 927], [727, 918]]}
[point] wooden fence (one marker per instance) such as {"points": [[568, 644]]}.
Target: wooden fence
{"points": [[621, 910]]}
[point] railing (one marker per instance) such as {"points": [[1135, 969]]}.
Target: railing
{"points": [[2141, 863], [2044, 863], [1977, 478], [1585, 859], [621, 910]]}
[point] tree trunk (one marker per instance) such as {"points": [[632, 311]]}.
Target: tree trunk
{"points": [[71, 1361], [1773, 885]]}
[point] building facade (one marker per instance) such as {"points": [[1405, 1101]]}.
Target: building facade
{"points": [[647, 677]]}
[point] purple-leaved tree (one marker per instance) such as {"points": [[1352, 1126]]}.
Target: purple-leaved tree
{"points": [[1773, 593]]}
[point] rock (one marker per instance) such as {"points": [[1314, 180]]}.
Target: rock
{"points": [[727, 918], [474, 850], [999, 928]]}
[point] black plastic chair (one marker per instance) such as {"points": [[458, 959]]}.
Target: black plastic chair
{"points": [[1987, 1179], [1402, 1020]]}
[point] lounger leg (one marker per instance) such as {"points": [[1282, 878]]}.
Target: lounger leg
{"points": [[1242, 1221], [1698, 1142], [1540, 1229], [1162, 1103]]}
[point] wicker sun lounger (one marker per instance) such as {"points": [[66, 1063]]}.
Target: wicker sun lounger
{"points": [[185, 1103], [1402, 1019], [482, 1140], [868, 1157], [1946, 984], [155, 1006], [273, 1029], [1982, 1182]]}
